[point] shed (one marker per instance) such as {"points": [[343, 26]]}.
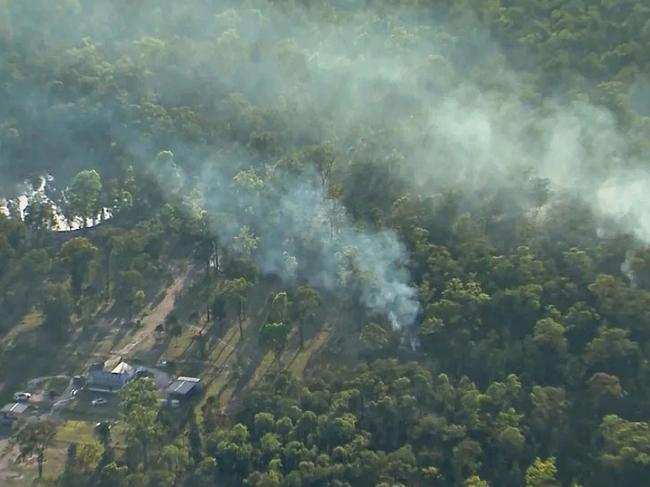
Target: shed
{"points": [[11, 411], [14, 409], [184, 387]]}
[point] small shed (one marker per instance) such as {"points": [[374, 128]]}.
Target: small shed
{"points": [[183, 387], [11, 411]]}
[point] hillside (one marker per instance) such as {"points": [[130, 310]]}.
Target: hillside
{"points": [[286, 243]]}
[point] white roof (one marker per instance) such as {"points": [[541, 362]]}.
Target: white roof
{"points": [[122, 368], [15, 408]]}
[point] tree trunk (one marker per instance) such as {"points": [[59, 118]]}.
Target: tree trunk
{"points": [[39, 461], [108, 275], [145, 456]]}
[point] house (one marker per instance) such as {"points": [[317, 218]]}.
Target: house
{"points": [[10, 412], [103, 380], [183, 387]]}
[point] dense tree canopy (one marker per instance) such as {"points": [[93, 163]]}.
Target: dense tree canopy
{"points": [[430, 216]]}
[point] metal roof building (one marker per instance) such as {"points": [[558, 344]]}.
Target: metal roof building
{"points": [[14, 409], [184, 387], [102, 380]]}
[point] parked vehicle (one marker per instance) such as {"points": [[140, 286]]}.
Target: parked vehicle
{"points": [[141, 372], [167, 364], [100, 401], [78, 380], [22, 396], [103, 426]]}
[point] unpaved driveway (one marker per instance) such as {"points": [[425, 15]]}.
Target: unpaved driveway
{"points": [[7, 467]]}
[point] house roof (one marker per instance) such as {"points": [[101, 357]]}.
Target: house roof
{"points": [[104, 379], [183, 386], [15, 408], [123, 368]]}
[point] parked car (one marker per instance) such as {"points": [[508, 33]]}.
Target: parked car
{"points": [[103, 425], [22, 396], [100, 401], [143, 373], [166, 364], [78, 380]]}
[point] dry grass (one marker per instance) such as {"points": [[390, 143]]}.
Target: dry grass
{"points": [[30, 322], [300, 360]]}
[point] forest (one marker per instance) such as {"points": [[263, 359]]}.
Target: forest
{"points": [[413, 238]]}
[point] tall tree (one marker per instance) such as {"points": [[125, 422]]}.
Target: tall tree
{"points": [[57, 309], [307, 303], [78, 255], [273, 336], [237, 289], [542, 473], [139, 410], [33, 439], [84, 195]]}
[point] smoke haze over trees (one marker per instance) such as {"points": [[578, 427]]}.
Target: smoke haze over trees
{"points": [[465, 185]]}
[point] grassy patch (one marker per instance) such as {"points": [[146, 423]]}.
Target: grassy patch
{"points": [[30, 323], [75, 431], [299, 362], [82, 409], [263, 368], [56, 384], [69, 431], [180, 345]]}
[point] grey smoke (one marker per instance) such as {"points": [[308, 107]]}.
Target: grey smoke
{"points": [[435, 101], [304, 236]]}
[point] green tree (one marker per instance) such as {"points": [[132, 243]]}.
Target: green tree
{"points": [[307, 303], [128, 287], [626, 445], [57, 308], [84, 195], [78, 255], [237, 289], [39, 213], [139, 410], [542, 473], [33, 439], [273, 337], [476, 481]]}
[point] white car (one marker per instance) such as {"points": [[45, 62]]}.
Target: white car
{"points": [[22, 396], [100, 401]]}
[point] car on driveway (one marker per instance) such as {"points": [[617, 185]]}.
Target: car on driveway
{"points": [[142, 372], [100, 401], [22, 396], [167, 364]]}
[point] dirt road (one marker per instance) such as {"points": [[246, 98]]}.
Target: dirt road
{"points": [[7, 470]]}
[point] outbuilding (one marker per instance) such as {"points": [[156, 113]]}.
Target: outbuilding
{"points": [[10, 412], [183, 387]]}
